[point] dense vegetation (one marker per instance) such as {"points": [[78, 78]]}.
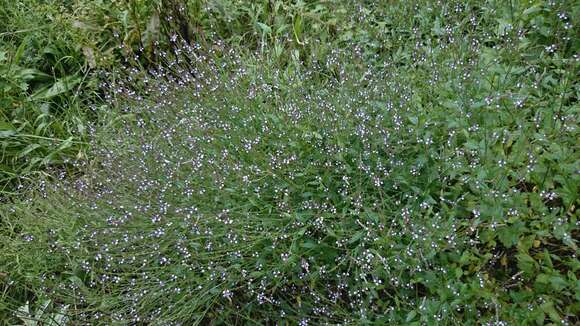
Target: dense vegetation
{"points": [[298, 162]]}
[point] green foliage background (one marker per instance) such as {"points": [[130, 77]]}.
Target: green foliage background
{"points": [[54, 55]]}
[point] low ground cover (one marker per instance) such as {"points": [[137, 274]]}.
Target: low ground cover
{"points": [[420, 171]]}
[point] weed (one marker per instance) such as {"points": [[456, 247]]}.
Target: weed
{"points": [[316, 163]]}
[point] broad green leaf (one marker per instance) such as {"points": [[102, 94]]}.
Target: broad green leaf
{"points": [[6, 129], [264, 28], [61, 86], [526, 263]]}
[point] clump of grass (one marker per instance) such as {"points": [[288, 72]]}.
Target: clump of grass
{"points": [[439, 187], [49, 52]]}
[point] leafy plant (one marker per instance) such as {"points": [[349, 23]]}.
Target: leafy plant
{"points": [[307, 161], [41, 316]]}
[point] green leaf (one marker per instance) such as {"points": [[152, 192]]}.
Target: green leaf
{"points": [[357, 236], [532, 10], [507, 237], [550, 310], [510, 235], [19, 52], [6, 129], [41, 310], [264, 28], [61, 86], [557, 282], [450, 104], [410, 316], [28, 149], [437, 30], [526, 263], [297, 26], [28, 74], [60, 318]]}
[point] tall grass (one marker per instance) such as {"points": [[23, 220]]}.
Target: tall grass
{"points": [[51, 54], [315, 163]]}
